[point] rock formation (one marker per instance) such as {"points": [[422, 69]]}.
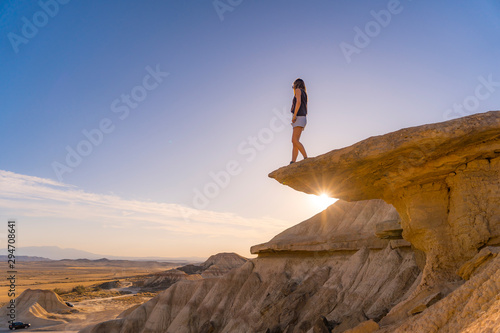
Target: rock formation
{"points": [[221, 263], [443, 179], [110, 285], [473, 307], [338, 275], [348, 269], [163, 280], [38, 307], [217, 265]]}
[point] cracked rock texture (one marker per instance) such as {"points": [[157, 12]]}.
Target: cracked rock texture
{"points": [[281, 294], [473, 307]]}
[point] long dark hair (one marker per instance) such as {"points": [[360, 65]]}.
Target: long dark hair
{"points": [[299, 83]]}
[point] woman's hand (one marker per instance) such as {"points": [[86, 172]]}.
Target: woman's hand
{"points": [[294, 119]]}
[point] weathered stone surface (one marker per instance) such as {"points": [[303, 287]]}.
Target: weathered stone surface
{"points": [[342, 226], [395, 243], [365, 327], [443, 179], [280, 293], [38, 307], [479, 259], [163, 280], [390, 229], [221, 263], [474, 307], [426, 302]]}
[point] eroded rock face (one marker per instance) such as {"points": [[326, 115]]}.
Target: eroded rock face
{"points": [[473, 307], [221, 263], [215, 266], [38, 307], [451, 219], [443, 179], [280, 293], [163, 280], [337, 275]]}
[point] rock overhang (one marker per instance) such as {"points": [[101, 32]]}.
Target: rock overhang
{"points": [[443, 179], [372, 168]]}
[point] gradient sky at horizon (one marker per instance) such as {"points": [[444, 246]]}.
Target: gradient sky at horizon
{"points": [[228, 80]]}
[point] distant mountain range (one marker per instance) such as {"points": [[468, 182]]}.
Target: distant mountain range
{"points": [[57, 253], [4, 258]]}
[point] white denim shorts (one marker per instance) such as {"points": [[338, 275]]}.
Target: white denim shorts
{"points": [[300, 122]]}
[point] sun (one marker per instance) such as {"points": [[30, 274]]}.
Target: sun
{"points": [[322, 201]]}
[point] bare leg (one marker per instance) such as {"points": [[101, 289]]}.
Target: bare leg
{"points": [[297, 146]]}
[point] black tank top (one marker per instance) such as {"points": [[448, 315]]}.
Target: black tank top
{"points": [[303, 104]]}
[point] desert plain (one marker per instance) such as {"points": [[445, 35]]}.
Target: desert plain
{"points": [[99, 290]]}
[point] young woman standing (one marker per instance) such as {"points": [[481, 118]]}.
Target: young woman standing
{"points": [[299, 121]]}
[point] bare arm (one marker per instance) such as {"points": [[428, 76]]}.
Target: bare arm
{"points": [[298, 95]]}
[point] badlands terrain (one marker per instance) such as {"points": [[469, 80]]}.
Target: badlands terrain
{"points": [[411, 246], [98, 290], [67, 274]]}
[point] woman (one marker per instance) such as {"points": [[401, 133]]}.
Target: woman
{"points": [[299, 121]]}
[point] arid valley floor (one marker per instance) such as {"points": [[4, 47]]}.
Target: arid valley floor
{"points": [[90, 285]]}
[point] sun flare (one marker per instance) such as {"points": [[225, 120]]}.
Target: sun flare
{"points": [[322, 201]]}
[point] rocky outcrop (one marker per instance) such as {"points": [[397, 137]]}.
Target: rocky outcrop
{"points": [[110, 285], [215, 266], [443, 179], [38, 307], [473, 307], [221, 263], [294, 289], [389, 229], [218, 264], [163, 280]]}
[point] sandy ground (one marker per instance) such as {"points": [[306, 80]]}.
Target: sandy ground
{"points": [[67, 275]]}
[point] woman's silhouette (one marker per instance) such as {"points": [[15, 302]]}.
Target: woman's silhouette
{"points": [[299, 121]]}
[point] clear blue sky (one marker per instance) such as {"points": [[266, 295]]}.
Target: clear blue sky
{"points": [[174, 92]]}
